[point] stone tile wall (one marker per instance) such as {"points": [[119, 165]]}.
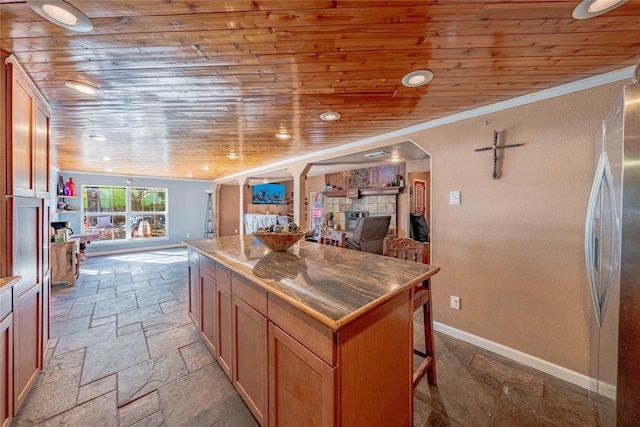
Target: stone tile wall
{"points": [[376, 205]]}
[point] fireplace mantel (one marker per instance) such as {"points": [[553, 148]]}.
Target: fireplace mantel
{"points": [[381, 191]]}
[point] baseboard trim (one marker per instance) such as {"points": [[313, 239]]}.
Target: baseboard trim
{"points": [[140, 249], [557, 371]]}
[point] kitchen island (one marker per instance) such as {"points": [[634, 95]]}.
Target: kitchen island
{"points": [[316, 335]]}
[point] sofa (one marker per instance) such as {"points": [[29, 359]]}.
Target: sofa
{"points": [[369, 233]]}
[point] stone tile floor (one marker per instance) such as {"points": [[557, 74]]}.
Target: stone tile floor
{"points": [[124, 353]]}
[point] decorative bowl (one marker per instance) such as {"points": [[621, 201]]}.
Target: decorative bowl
{"points": [[278, 242]]}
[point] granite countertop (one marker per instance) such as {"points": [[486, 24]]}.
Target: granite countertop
{"points": [[333, 285], [8, 281]]}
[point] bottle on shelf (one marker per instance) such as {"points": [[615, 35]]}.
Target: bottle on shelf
{"points": [[66, 189], [60, 189], [72, 187]]}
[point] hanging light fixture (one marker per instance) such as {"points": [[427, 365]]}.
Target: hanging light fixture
{"points": [[61, 13], [590, 8]]}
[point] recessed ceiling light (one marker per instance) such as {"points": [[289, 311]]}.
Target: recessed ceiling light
{"points": [[61, 13], [330, 116], [100, 138], [82, 87], [109, 170], [232, 156], [189, 174], [205, 168], [283, 135], [590, 8], [417, 78]]}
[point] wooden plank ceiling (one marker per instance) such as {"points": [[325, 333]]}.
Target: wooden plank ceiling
{"points": [[185, 83]]}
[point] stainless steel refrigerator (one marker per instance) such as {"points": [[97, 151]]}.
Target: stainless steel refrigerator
{"points": [[612, 251]]}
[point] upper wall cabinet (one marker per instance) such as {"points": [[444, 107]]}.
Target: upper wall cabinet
{"points": [[29, 135]]}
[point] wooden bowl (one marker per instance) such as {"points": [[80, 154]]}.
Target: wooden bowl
{"points": [[278, 242]]}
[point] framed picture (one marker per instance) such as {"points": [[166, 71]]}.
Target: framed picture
{"points": [[419, 195]]}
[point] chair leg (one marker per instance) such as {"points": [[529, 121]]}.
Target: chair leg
{"points": [[428, 365]]}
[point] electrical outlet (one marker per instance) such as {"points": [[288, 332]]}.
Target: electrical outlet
{"points": [[455, 302], [188, 235]]}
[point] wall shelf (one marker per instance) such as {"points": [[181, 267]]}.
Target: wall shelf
{"points": [[382, 191]]}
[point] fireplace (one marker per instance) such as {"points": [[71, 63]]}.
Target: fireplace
{"points": [[351, 217]]}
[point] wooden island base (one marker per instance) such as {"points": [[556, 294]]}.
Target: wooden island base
{"points": [[309, 349]]}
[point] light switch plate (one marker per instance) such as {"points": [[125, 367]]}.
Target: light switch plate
{"points": [[454, 197]]}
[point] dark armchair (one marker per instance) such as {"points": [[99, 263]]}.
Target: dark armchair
{"points": [[369, 233]]}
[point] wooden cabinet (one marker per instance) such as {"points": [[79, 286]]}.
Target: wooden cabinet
{"points": [[65, 261], [6, 356], [29, 134], [194, 288], [301, 385], [26, 345], [224, 349], [291, 368], [249, 326], [250, 357], [24, 155], [6, 373], [378, 176], [208, 316]]}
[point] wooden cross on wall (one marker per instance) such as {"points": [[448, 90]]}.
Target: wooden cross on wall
{"points": [[495, 149]]}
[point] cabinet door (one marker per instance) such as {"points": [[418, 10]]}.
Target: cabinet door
{"points": [[22, 130], [301, 385], [194, 295], [46, 274], [27, 316], [250, 357], [208, 313], [224, 339], [41, 153], [6, 371]]}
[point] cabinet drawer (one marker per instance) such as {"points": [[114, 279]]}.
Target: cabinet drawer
{"points": [[193, 257], [249, 292], [223, 276], [6, 301], [208, 266], [313, 335]]}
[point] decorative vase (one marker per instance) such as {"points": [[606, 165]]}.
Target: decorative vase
{"points": [[72, 187], [66, 189], [60, 186]]}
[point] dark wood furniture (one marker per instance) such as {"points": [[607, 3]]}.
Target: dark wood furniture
{"points": [[408, 249], [332, 237], [304, 343]]}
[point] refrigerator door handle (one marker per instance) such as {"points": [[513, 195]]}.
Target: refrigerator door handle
{"points": [[603, 181]]}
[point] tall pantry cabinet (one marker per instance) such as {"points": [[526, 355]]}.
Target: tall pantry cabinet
{"points": [[24, 212]]}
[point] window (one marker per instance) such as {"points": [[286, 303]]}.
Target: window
{"points": [[122, 213]]}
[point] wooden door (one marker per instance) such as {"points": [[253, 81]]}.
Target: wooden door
{"points": [[208, 311], [194, 295], [6, 371], [224, 339], [250, 357], [301, 385]]}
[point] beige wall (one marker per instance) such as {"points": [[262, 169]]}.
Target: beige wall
{"points": [[513, 250]]}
